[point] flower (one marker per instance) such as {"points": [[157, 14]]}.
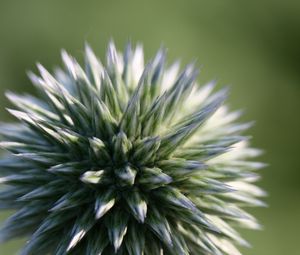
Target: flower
{"points": [[128, 159]]}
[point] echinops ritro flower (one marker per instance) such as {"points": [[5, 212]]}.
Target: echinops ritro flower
{"points": [[126, 158]]}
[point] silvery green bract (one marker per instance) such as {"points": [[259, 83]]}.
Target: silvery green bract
{"points": [[126, 158]]}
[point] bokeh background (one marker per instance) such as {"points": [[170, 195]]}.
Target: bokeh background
{"points": [[254, 46]]}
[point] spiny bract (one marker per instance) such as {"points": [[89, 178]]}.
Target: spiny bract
{"points": [[126, 159]]}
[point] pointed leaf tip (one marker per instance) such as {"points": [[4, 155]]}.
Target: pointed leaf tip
{"points": [[104, 203], [137, 205], [92, 177]]}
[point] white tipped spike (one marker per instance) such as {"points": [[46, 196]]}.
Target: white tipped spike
{"points": [[104, 203], [104, 208], [138, 63], [76, 239], [170, 76], [93, 177]]}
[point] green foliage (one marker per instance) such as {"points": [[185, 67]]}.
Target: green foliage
{"points": [[128, 159]]}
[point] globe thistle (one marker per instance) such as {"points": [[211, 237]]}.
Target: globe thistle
{"points": [[124, 158]]}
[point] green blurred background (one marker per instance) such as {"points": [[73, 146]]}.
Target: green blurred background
{"points": [[254, 46]]}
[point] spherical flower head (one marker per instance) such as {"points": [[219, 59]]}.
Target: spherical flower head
{"points": [[126, 158]]}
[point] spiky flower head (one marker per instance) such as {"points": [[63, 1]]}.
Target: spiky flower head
{"points": [[128, 159]]}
